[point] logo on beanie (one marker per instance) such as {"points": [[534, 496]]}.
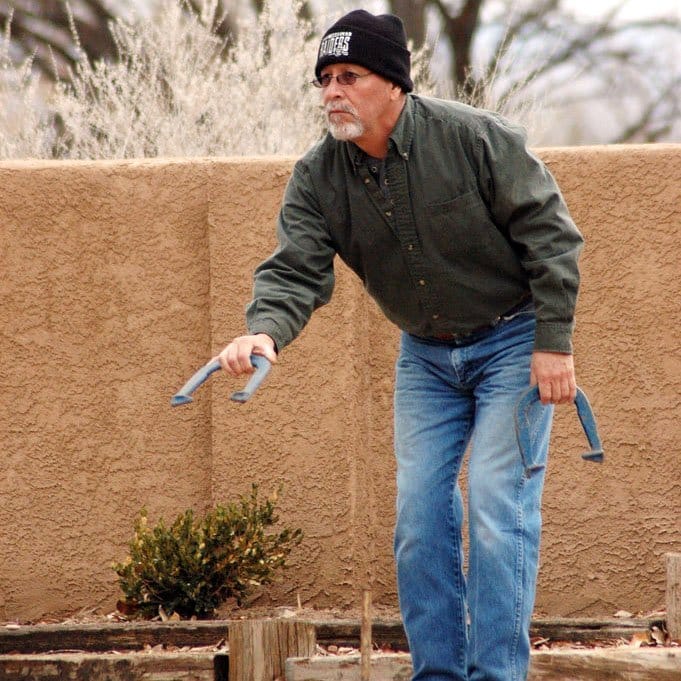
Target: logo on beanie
{"points": [[335, 45]]}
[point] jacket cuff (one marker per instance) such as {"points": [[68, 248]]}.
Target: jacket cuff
{"points": [[554, 337], [272, 330]]}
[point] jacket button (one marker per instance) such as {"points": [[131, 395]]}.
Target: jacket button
{"points": [[422, 282], [388, 213], [436, 316]]}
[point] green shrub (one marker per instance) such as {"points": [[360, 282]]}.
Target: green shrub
{"points": [[195, 564]]}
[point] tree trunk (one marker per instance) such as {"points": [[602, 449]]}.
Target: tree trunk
{"points": [[413, 14], [460, 31]]}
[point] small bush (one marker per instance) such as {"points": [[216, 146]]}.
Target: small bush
{"points": [[194, 565]]}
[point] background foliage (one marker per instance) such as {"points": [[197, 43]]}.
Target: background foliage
{"points": [[95, 79]]}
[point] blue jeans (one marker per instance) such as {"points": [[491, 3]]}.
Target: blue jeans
{"points": [[448, 395]]}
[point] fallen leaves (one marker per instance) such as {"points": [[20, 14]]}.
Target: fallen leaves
{"points": [[165, 617], [220, 647], [654, 636], [623, 614]]}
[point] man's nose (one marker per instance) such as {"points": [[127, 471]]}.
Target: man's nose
{"points": [[333, 90]]}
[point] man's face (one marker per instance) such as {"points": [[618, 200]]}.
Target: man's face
{"points": [[354, 111]]}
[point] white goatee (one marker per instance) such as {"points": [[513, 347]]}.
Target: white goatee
{"points": [[344, 131]]}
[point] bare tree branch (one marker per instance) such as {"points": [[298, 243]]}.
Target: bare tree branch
{"points": [[412, 13], [646, 127], [40, 30], [460, 30], [513, 30]]}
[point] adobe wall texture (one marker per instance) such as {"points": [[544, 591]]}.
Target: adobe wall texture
{"points": [[119, 279]]}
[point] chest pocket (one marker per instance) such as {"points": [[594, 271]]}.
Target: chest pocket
{"points": [[459, 227]]}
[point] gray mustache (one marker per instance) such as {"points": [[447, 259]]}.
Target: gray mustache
{"points": [[339, 107]]}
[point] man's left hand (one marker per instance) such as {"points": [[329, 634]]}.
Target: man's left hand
{"points": [[554, 373]]}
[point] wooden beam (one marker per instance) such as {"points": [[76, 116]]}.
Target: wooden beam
{"points": [[44, 638], [365, 637], [384, 667], [258, 649], [122, 667], [386, 632], [633, 664], [673, 595]]}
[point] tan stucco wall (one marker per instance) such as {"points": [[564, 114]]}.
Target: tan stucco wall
{"points": [[119, 279]]}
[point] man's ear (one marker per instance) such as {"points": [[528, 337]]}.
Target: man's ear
{"points": [[395, 92]]}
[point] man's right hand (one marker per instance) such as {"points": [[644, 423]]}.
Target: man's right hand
{"points": [[235, 359]]}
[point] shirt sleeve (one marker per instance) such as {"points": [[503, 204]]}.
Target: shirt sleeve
{"points": [[528, 207], [299, 276]]}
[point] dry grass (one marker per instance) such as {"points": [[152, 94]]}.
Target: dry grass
{"points": [[25, 124], [176, 91]]}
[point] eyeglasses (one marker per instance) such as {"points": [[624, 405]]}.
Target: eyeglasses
{"points": [[345, 78]]}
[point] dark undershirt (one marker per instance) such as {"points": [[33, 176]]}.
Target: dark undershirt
{"points": [[376, 167]]}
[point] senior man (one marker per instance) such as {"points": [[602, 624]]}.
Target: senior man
{"points": [[463, 239]]}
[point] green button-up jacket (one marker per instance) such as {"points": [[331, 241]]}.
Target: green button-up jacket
{"points": [[471, 223]]}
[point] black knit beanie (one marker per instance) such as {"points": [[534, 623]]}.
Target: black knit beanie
{"points": [[377, 42]]}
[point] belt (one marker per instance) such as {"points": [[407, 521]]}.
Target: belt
{"points": [[450, 337]]}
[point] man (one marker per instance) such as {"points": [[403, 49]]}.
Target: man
{"points": [[464, 241]]}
